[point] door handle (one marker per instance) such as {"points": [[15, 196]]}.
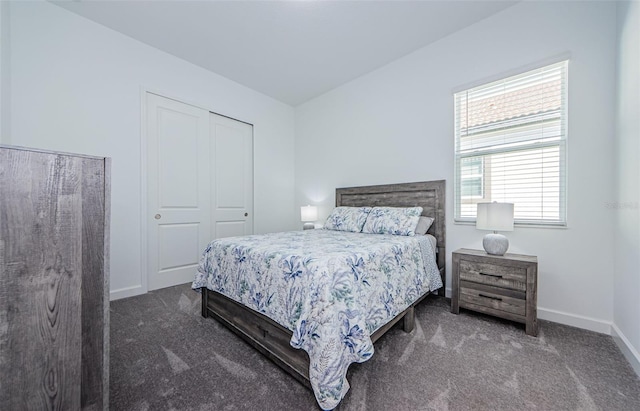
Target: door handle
{"points": [[157, 217], [246, 214]]}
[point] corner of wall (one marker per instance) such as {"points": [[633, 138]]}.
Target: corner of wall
{"points": [[626, 328], [627, 348], [574, 320]]}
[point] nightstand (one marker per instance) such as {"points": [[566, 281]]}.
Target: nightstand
{"points": [[503, 286]]}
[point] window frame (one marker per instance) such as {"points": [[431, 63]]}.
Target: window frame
{"points": [[561, 143]]}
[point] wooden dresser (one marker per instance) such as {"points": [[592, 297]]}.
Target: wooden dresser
{"points": [[503, 286], [54, 280]]}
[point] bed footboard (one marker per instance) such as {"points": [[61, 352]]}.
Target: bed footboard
{"points": [[272, 339], [260, 331]]}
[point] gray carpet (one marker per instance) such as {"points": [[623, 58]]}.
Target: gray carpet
{"points": [[165, 356]]}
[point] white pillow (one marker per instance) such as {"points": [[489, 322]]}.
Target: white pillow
{"points": [[423, 225]]}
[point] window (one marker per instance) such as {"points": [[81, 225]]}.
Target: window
{"points": [[511, 143], [472, 177]]}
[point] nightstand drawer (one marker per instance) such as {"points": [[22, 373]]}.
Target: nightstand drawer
{"points": [[491, 297], [494, 274]]}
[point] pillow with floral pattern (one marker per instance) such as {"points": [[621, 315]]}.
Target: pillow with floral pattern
{"points": [[347, 219], [392, 220]]}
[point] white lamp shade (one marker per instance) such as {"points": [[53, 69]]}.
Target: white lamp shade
{"points": [[495, 216], [308, 213]]}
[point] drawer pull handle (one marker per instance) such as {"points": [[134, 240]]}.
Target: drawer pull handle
{"points": [[490, 297], [491, 275]]}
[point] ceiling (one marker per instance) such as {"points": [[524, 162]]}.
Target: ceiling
{"points": [[292, 51]]}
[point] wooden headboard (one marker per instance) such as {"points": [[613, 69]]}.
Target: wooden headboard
{"points": [[430, 195]]}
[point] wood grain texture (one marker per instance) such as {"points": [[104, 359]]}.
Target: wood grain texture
{"points": [[409, 320], [532, 299], [42, 279], [493, 274], [46, 257], [508, 292], [261, 332], [455, 283], [493, 300], [504, 286], [106, 286], [94, 298]]}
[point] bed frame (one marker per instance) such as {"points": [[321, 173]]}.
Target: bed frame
{"points": [[272, 339]]}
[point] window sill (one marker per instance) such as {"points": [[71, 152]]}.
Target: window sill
{"points": [[520, 225]]}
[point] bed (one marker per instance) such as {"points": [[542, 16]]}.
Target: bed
{"points": [[355, 315]]}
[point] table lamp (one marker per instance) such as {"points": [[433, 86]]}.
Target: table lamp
{"points": [[495, 217], [308, 214]]}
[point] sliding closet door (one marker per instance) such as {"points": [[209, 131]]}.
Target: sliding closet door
{"points": [[199, 186], [232, 172], [178, 190]]}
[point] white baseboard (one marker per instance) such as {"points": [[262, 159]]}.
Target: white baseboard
{"points": [[630, 353], [579, 321], [599, 326], [574, 320], [126, 292]]}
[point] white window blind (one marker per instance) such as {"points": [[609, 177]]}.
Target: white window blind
{"points": [[511, 143]]}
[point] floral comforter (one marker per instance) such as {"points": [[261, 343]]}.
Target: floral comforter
{"points": [[331, 289]]}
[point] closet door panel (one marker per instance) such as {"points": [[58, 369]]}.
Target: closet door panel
{"points": [[178, 190]]}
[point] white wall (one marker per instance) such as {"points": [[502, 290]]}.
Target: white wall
{"points": [[76, 86], [5, 74], [396, 125], [626, 297]]}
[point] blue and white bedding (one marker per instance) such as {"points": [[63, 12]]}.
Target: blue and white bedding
{"points": [[332, 289]]}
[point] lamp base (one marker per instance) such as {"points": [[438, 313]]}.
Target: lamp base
{"points": [[495, 244], [308, 226]]}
